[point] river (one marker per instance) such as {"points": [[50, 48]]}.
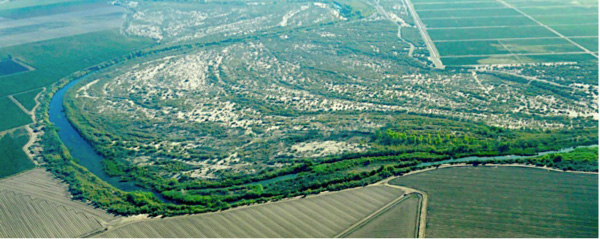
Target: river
{"points": [[83, 151], [80, 148]]}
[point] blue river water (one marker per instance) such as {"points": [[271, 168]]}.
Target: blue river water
{"points": [[80, 148], [83, 151]]}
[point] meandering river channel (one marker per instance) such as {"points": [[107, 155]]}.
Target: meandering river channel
{"points": [[83, 151]]}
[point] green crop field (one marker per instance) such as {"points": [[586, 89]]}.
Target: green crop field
{"points": [[29, 3], [590, 43], [467, 13], [490, 33], [580, 30], [507, 202], [568, 19], [400, 221], [70, 54], [542, 11], [8, 67], [27, 99], [459, 48], [558, 58], [37, 8], [491, 47], [12, 159], [480, 60], [316, 216], [452, 5], [480, 22], [539, 45], [12, 116]]}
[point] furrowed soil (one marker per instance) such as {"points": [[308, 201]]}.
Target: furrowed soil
{"points": [[507, 202]]}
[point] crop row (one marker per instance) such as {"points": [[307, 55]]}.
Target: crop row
{"points": [[316, 216]]}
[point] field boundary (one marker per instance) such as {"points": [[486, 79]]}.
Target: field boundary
{"points": [[381, 211], [549, 28], [434, 54], [518, 54]]}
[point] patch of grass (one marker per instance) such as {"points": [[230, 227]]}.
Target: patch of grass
{"points": [[581, 159], [12, 116], [507, 202], [12, 157], [27, 99]]}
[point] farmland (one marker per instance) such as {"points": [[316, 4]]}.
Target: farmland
{"points": [[27, 98], [510, 32], [211, 107], [401, 220], [78, 34], [12, 116], [315, 216], [33, 204], [507, 202], [8, 67], [12, 158]]}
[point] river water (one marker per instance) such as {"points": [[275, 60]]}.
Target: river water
{"points": [[80, 148], [83, 151]]}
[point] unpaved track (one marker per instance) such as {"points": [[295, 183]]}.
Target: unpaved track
{"points": [[381, 210], [434, 55], [424, 199], [383, 12], [32, 135]]}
